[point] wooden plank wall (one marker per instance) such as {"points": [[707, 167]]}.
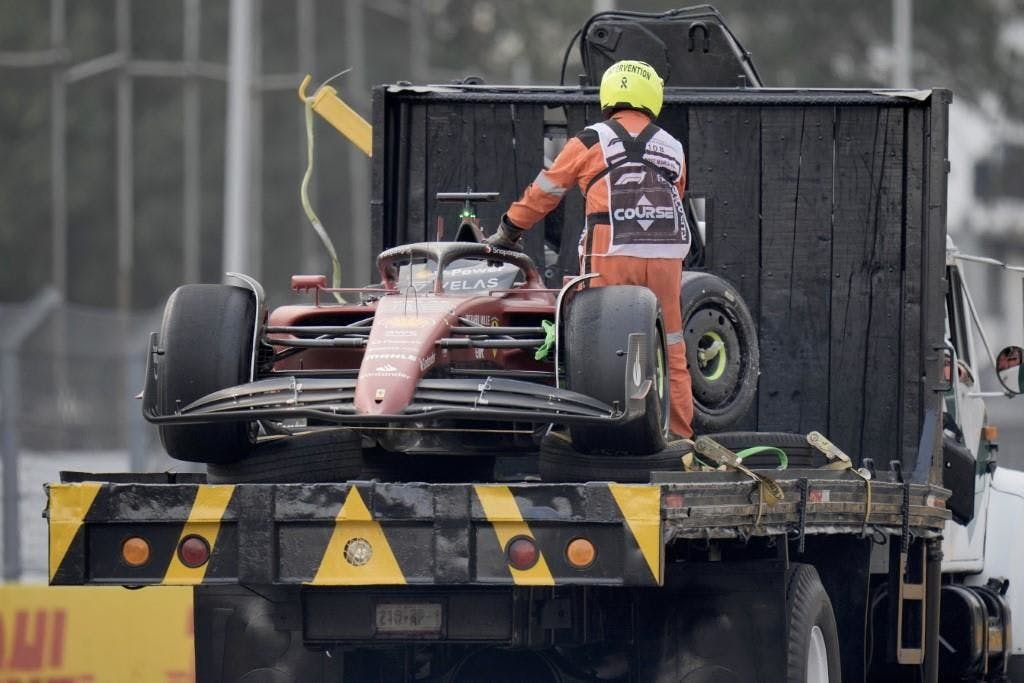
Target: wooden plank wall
{"points": [[816, 214]]}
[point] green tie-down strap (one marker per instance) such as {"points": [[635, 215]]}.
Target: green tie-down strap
{"points": [[754, 450], [549, 340]]}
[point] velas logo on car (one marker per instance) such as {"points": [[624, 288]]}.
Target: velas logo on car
{"points": [[644, 213]]}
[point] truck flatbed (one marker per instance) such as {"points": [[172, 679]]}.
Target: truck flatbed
{"points": [[452, 534]]}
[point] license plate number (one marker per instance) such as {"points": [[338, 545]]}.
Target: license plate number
{"points": [[416, 618]]}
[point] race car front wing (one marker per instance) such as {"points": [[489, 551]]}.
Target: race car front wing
{"points": [[333, 399]]}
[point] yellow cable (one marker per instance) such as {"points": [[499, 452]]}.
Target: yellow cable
{"points": [[308, 207]]}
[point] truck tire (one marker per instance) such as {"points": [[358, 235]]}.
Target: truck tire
{"points": [[724, 385], [800, 453], [812, 654], [317, 457], [560, 462], [598, 323], [206, 339]]}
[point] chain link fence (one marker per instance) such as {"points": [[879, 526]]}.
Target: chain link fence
{"points": [[69, 375]]}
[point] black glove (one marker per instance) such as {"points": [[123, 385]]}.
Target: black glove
{"points": [[507, 237]]}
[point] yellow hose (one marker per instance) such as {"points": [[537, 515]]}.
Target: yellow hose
{"points": [[308, 207]]}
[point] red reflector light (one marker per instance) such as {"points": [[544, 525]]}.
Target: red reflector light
{"points": [[522, 552], [193, 551]]}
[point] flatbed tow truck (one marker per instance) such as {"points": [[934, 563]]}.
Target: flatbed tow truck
{"points": [[826, 209]]}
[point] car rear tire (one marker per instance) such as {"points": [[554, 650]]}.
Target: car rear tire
{"points": [[724, 385], [598, 323], [812, 654], [206, 342], [560, 462], [329, 456]]}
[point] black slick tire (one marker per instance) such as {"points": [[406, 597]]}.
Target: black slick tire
{"points": [[560, 462], [800, 453], [724, 383], [813, 637], [206, 341], [318, 457], [598, 323]]}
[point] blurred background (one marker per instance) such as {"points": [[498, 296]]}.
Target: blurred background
{"points": [[120, 169]]}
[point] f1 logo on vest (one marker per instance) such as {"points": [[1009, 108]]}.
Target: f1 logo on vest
{"points": [[634, 178], [644, 213]]}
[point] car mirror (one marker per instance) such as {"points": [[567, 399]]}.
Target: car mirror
{"points": [[1010, 369]]}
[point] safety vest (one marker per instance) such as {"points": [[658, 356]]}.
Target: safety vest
{"points": [[645, 211]]}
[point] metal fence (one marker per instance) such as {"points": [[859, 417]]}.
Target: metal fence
{"points": [[68, 379]]}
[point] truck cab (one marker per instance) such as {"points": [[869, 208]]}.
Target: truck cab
{"points": [[981, 552]]}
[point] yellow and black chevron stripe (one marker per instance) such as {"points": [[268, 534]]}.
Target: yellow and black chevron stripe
{"points": [[355, 534]]}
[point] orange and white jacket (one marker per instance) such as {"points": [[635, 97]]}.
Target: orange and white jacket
{"points": [[577, 164]]}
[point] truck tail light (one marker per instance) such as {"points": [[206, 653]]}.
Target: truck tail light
{"points": [[135, 551], [522, 552], [580, 553], [193, 551]]}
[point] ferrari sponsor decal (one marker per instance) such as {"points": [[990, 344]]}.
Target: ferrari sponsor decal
{"points": [[500, 508], [641, 508], [203, 521], [427, 362], [393, 332], [358, 553], [392, 356], [68, 505], [380, 372], [405, 321]]}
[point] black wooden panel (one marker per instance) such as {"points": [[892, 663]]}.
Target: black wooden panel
{"points": [[911, 339], [866, 258], [418, 221], [448, 169], [525, 159], [933, 270], [379, 172], [849, 318], [572, 216], [796, 260], [725, 157]]}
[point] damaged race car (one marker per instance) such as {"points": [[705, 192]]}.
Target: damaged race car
{"points": [[460, 354]]}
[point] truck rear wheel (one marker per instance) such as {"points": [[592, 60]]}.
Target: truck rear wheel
{"points": [[721, 351], [813, 643], [598, 323], [206, 342]]}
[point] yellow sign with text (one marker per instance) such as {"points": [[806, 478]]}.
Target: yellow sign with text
{"points": [[72, 634]]}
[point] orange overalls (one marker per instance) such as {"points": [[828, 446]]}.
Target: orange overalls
{"points": [[579, 161]]}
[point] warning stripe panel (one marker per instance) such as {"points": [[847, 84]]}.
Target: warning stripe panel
{"points": [[358, 553], [356, 534], [500, 509], [68, 505], [622, 521], [204, 520]]}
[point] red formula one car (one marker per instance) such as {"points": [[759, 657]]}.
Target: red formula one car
{"points": [[461, 350]]}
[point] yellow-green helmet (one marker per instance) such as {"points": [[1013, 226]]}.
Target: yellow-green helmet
{"points": [[631, 84]]}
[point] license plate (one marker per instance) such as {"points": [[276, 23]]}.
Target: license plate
{"points": [[423, 618]]}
